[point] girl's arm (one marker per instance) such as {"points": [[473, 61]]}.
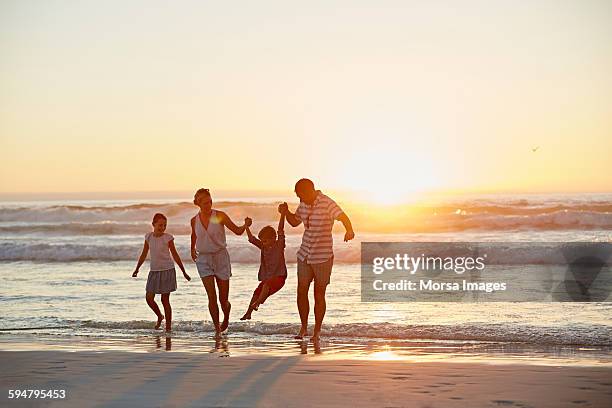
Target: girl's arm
{"points": [[194, 254], [143, 257], [281, 223], [225, 220], [177, 258]]}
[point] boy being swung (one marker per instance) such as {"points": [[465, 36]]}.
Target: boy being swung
{"points": [[272, 269]]}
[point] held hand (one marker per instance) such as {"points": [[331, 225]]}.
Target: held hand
{"points": [[187, 276], [283, 208], [135, 274], [348, 236], [194, 255], [248, 222]]}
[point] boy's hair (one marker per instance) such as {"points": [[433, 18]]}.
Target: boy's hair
{"points": [[201, 191], [267, 232], [159, 216]]}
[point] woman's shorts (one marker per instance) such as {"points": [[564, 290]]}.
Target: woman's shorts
{"points": [[275, 284], [161, 281], [217, 264]]}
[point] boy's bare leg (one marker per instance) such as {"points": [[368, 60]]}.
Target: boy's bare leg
{"points": [[226, 306], [150, 297], [247, 314], [319, 309], [213, 308], [303, 306], [165, 298], [263, 295]]}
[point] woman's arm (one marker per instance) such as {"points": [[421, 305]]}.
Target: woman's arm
{"points": [[177, 258], [143, 257], [194, 237], [226, 220]]}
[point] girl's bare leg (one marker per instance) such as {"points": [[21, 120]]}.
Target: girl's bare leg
{"points": [[150, 296], [263, 295], [165, 298], [213, 308]]}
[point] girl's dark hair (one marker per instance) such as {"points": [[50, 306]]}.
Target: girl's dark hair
{"points": [[267, 232], [159, 216]]}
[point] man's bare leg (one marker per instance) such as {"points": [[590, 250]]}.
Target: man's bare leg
{"points": [[319, 309], [226, 306], [303, 306], [213, 308]]}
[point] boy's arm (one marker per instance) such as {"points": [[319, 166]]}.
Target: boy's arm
{"points": [[177, 258], [226, 220], [252, 238], [292, 219], [143, 257], [194, 254]]}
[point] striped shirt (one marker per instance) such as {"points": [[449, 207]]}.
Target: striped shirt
{"points": [[318, 219]]}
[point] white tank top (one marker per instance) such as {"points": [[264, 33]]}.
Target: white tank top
{"points": [[212, 239]]}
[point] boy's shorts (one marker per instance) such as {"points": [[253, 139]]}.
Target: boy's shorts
{"points": [[321, 272], [217, 264], [275, 284]]}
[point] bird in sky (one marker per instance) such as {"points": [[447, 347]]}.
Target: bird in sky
{"points": [[535, 149]]}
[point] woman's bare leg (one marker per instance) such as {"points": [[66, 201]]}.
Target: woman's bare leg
{"points": [[213, 308], [226, 306]]}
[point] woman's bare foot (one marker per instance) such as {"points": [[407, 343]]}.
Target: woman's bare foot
{"points": [[160, 319], [303, 332], [247, 316], [226, 316]]}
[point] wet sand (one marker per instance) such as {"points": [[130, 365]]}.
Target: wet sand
{"points": [[120, 378]]}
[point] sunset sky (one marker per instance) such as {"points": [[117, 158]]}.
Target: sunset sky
{"points": [[375, 96]]}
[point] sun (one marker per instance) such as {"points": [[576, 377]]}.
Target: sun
{"points": [[388, 176]]}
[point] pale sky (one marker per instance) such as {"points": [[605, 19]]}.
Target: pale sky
{"points": [[375, 96]]}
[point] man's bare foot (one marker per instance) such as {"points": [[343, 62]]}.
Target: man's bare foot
{"points": [[247, 316], [217, 334], [303, 332], [226, 316], [315, 338], [168, 327], [160, 319]]}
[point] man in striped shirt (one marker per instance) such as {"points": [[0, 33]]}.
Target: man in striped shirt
{"points": [[315, 256]]}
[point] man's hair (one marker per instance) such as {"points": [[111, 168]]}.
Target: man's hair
{"points": [[159, 216], [267, 232], [304, 184]]}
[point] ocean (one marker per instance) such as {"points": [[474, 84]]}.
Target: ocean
{"points": [[66, 270]]}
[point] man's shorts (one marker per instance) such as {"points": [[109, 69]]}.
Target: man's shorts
{"points": [[320, 273], [217, 264]]}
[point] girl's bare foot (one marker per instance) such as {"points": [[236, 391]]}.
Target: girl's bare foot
{"points": [[160, 319], [255, 306], [247, 316]]}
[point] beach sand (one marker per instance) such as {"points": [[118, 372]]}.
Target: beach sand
{"points": [[120, 378]]}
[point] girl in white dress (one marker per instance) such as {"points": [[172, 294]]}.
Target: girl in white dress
{"points": [[162, 276]]}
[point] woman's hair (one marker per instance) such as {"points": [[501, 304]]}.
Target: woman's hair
{"points": [[267, 232], [201, 191], [159, 216]]}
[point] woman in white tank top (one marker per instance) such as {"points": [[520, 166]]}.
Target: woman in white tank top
{"points": [[209, 252]]}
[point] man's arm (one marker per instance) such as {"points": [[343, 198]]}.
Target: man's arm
{"points": [[292, 219], [344, 219]]}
